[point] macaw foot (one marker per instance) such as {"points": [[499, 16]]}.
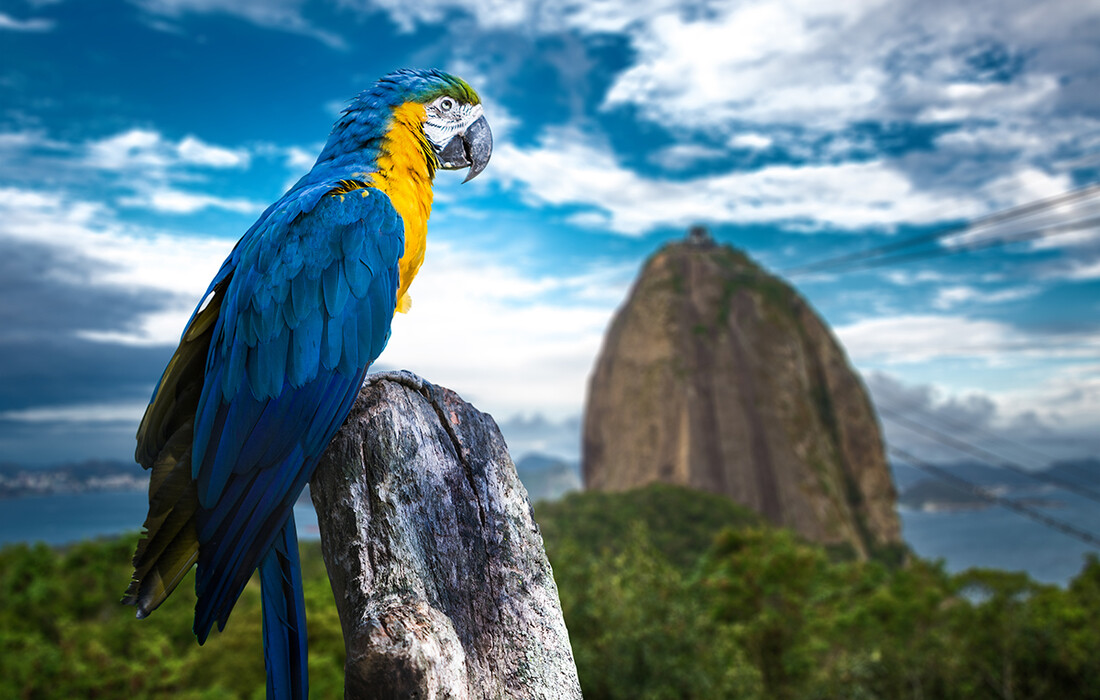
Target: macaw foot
{"points": [[406, 378], [434, 395]]}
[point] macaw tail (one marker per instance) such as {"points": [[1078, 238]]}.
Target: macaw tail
{"points": [[169, 546], [284, 618]]}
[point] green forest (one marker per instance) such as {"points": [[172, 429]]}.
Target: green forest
{"points": [[667, 593]]}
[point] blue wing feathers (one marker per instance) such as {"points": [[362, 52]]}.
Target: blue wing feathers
{"points": [[309, 299], [336, 289], [365, 326], [253, 508], [267, 251], [350, 359], [305, 349], [332, 344], [358, 276], [234, 368], [270, 320], [380, 293], [303, 298], [239, 413], [266, 373], [267, 443], [251, 516]]}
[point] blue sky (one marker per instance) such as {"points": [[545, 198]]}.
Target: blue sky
{"points": [[139, 139]]}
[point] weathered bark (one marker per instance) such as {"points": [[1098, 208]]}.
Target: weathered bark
{"points": [[441, 581]]}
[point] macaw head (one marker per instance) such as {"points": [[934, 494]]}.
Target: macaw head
{"points": [[441, 111], [454, 124]]}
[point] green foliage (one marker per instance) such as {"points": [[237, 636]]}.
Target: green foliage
{"points": [[642, 637], [756, 612], [63, 633], [681, 523], [668, 593]]}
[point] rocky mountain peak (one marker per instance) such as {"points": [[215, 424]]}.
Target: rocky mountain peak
{"points": [[717, 375]]}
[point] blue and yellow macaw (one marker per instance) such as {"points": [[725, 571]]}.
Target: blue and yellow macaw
{"points": [[272, 359]]}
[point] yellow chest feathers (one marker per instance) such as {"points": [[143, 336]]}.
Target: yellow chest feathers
{"points": [[405, 172]]}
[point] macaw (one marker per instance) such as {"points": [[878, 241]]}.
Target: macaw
{"points": [[271, 361]]}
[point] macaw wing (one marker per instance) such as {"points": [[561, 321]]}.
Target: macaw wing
{"points": [[306, 309]]}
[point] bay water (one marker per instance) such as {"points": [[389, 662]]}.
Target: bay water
{"points": [[991, 537]]}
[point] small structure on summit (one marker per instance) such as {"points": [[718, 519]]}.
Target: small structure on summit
{"points": [[718, 376], [699, 236]]}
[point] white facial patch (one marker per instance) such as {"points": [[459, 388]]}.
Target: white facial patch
{"points": [[447, 118]]}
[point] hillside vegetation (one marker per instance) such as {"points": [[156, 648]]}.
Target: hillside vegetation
{"points": [[668, 593]]}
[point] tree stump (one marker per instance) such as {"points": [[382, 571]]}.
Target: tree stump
{"points": [[441, 581]]}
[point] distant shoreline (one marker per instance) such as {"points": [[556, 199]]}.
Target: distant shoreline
{"points": [[94, 476]]}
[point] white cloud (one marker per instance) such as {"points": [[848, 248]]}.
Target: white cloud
{"points": [[906, 278], [35, 24], [950, 297], [683, 156], [193, 151], [999, 68], [301, 160], [1030, 184], [804, 78], [759, 62], [960, 102], [15, 144], [504, 340], [1070, 397], [914, 338], [1032, 425], [491, 14], [150, 163], [593, 16], [174, 201], [146, 150], [138, 148], [922, 338], [127, 257], [1080, 271], [825, 66], [137, 168], [1055, 216], [845, 195], [281, 15], [751, 140]]}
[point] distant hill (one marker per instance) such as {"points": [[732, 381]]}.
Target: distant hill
{"points": [[983, 475], [937, 495], [717, 375], [919, 491], [547, 478], [1085, 472], [72, 477]]}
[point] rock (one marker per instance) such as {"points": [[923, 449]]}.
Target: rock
{"points": [[719, 376], [437, 565]]}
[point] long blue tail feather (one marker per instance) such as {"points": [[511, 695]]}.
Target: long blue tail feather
{"points": [[284, 618]]}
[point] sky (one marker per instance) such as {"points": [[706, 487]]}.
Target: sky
{"points": [[139, 139]]}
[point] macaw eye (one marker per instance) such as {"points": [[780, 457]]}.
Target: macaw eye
{"points": [[446, 105]]}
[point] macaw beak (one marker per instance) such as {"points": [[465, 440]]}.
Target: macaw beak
{"points": [[471, 148]]}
